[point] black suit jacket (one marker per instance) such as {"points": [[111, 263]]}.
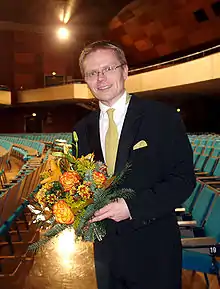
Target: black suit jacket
{"points": [[162, 173], [162, 177]]}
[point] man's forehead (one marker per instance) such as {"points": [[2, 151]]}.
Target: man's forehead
{"points": [[102, 57], [102, 52]]}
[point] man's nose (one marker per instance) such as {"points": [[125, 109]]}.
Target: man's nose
{"points": [[100, 75]]}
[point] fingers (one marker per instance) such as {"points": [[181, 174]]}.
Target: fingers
{"points": [[104, 213], [116, 211], [102, 210], [101, 217]]}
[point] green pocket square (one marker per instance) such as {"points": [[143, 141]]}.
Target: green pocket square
{"points": [[140, 144]]}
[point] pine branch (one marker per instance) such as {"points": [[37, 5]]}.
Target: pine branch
{"points": [[47, 236], [37, 245], [121, 176], [56, 229], [99, 203]]}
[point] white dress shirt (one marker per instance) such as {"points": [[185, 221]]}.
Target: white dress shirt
{"points": [[120, 107]]}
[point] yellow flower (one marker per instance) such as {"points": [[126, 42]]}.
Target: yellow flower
{"points": [[90, 157], [84, 192]]}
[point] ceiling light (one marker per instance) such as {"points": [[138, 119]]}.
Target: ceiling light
{"points": [[63, 33]]}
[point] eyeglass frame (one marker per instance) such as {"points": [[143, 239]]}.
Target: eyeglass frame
{"points": [[103, 71]]}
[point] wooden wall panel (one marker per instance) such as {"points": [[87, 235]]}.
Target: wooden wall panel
{"points": [[6, 58], [24, 81], [28, 57], [172, 28]]}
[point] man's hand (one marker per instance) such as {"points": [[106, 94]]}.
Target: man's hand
{"points": [[117, 211]]}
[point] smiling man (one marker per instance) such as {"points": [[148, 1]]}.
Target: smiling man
{"points": [[142, 249]]}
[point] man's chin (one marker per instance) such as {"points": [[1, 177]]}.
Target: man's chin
{"points": [[104, 95]]}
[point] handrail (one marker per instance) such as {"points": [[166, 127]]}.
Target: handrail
{"points": [[163, 64], [177, 60]]}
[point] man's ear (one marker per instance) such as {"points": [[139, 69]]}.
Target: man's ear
{"points": [[125, 71]]}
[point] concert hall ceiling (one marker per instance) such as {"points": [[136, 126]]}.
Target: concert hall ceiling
{"points": [[155, 28], [147, 29]]}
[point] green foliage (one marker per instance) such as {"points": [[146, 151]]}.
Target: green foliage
{"points": [[102, 199], [83, 165], [76, 206], [48, 235]]}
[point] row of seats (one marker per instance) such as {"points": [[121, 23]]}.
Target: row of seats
{"points": [[206, 154], [202, 139], [16, 230], [21, 148], [16, 233], [5, 144], [5, 151], [200, 232], [32, 147], [202, 210], [199, 219], [45, 137]]}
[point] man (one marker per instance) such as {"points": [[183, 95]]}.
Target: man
{"points": [[142, 249]]}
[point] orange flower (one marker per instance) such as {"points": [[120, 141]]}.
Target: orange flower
{"points": [[69, 180], [63, 213], [99, 179], [84, 192]]}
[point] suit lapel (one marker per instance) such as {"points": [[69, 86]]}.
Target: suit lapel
{"points": [[94, 137], [130, 129]]}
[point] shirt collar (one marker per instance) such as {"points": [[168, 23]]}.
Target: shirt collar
{"points": [[119, 105]]}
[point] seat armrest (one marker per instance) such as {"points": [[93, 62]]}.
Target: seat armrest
{"points": [[192, 223], [180, 210], [201, 178], [201, 173], [198, 242]]}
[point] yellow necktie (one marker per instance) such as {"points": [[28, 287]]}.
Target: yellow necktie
{"points": [[111, 143]]}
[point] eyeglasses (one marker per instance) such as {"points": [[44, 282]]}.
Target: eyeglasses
{"points": [[104, 71]]}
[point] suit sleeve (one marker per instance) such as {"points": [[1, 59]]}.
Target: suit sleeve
{"points": [[177, 182]]}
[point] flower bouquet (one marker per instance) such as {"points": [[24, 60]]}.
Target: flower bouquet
{"points": [[71, 190]]}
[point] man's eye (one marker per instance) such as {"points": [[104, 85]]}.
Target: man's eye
{"points": [[92, 73], [109, 68]]}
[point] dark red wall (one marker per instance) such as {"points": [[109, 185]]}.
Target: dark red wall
{"points": [[6, 58], [54, 118], [25, 57]]}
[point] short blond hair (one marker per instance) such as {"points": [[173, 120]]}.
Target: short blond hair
{"points": [[99, 45]]}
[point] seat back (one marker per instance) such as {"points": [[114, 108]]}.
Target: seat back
{"points": [[210, 165], [217, 170], [212, 224], [189, 203], [202, 205], [201, 162]]}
